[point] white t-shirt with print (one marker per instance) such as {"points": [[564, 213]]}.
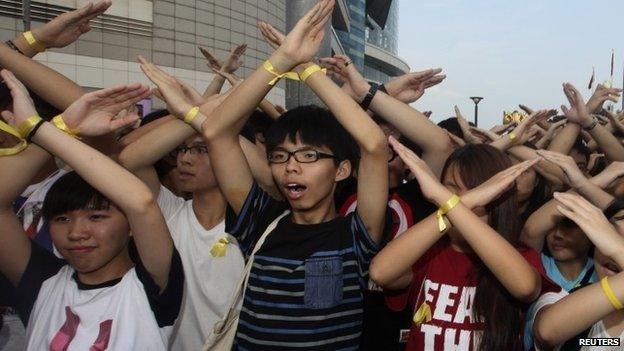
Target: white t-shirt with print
{"points": [[597, 330], [209, 281], [117, 317]]}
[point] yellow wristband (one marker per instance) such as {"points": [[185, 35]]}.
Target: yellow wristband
{"points": [[269, 68], [512, 136], [310, 71], [17, 148], [606, 288], [59, 123], [191, 114], [444, 209], [25, 128], [30, 38]]}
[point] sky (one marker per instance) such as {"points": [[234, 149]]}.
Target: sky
{"points": [[509, 52]]}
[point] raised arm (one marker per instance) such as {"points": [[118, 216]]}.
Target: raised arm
{"points": [[411, 123], [497, 254], [583, 308], [63, 30], [231, 65]]}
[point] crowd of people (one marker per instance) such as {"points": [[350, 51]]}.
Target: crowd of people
{"points": [[226, 222]]}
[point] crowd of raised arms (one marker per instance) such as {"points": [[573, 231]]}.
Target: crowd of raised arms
{"points": [[226, 222]]}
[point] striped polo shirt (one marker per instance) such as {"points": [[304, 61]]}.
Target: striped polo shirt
{"points": [[306, 282]]}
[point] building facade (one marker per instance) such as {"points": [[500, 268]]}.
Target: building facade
{"points": [[166, 32], [370, 38]]}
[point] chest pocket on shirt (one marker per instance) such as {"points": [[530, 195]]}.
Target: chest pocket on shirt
{"points": [[323, 282]]}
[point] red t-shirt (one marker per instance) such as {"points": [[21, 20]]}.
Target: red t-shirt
{"points": [[446, 279]]}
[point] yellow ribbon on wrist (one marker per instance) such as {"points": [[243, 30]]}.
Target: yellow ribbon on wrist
{"points": [[219, 249], [269, 68], [423, 314], [444, 209], [23, 144], [34, 44], [25, 128], [512, 136], [606, 288], [310, 71], [59, 123], [191, 114]]}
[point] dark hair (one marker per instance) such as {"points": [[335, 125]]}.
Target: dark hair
{"points": [[258, 122], [70, 193], [493, 304], [581, 147], [153, 116], [315, 126], [453, 127]]}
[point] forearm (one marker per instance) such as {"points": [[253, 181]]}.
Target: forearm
{"points": [[501, 258], [50, 85], [267, 107], [20, 42], [539, 224], [109, 178], [576, 312], [230, 117], [547, 169], [564, 141], [401, 253], [215, 86], [349, 114], [607, 142], [155, 145], [17, 171], [594, 194]]}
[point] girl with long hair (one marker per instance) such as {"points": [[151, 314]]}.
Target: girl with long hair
{"points": [[471, 283]]}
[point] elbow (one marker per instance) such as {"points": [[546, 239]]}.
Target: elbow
{"points": [[144, 201], [544, 335], [529, 289], [375, 144], [377, 274]]}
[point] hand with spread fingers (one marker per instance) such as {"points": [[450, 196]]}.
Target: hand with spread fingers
{"points": [[494, 187], [69, 26], [101, 112], [574, 176], [231, 64], [600, 96], [410, 87], [593, 223]]}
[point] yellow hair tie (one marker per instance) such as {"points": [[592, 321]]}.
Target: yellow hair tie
{"points": [[30, 38], [23, 144], [310, 71], [191, 114], [219, 249], [269, 68], [423, 314], [59, 123], [25, 128], [610, 294], [444, 209]]}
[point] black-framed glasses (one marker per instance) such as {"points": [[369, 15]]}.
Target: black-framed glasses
{"points": [[301, 156], [392, 154], [194, 150]]}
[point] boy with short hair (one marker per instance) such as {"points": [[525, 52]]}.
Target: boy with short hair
{"points": [[305, 286]]}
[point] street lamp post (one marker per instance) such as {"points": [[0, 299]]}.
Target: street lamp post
{"points": [[476, 100]]}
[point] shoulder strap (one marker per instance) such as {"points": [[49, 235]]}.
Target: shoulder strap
{"points": [[242, 284], [587, 276]]}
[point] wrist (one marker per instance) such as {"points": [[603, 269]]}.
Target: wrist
{"points": [[22, 45], [282, 62], [198, 121], [441, 198], [361, 90]]}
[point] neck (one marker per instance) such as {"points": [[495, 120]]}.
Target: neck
{"points": [[115, 268], [572, 268], [322, 212], [209, 207]]}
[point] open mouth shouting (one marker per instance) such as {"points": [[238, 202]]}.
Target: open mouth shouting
{"points": [[294, 191]]}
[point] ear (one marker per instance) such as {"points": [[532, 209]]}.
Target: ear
{"points": [[343, 170]]}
